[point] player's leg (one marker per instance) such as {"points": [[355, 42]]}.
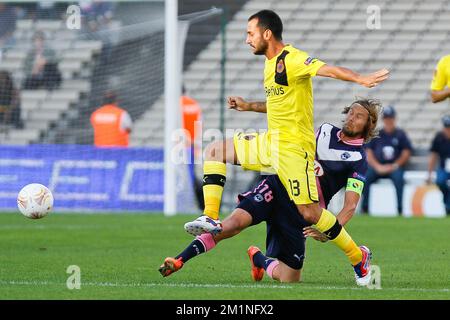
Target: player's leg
{"points": [[300, 183], [243, 149], [274, 268], [232, 225], [283, 273], [327, 223], [285, 241], [217, 155]]}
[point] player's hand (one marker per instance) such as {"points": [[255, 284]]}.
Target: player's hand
{"points": [[315, 234], [237, 103], [373, 79]]}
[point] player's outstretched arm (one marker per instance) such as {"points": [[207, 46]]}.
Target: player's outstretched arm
{"points": [[369, 81], [439, 95], [239, 104]]}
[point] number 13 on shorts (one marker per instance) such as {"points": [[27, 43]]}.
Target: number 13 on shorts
{"points": [[302, 191], [295, 187]]}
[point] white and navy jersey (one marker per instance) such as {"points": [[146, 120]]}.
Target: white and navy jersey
{"points": [[338, 164]]}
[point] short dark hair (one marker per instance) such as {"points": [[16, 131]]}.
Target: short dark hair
{"points": [[268, 19]]}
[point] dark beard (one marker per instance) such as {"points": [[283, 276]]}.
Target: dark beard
{"points": [[262, 50], [349, 133]]}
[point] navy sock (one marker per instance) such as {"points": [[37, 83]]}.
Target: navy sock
{"points": [[194, 249], [261, 260]]}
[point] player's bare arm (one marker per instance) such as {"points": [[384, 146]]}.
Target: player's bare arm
{"points": [[239, 104], [440, 95], [369, 81], [350, 203]]}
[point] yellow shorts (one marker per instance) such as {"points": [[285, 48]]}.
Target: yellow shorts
{"points": [[293, 163]]}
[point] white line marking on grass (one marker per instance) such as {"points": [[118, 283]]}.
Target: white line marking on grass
{"points": [[48, 227], [154, 284], [211, 285], [69, 227]]}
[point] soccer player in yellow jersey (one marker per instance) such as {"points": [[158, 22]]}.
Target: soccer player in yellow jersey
{"points": [[288, 147], [440, 86]]}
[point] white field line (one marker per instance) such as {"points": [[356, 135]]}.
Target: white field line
{"points": [[209, 285], [43, 227], [70, 227]]}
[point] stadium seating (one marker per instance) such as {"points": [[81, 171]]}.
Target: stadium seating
{"points": [[43, 108]]}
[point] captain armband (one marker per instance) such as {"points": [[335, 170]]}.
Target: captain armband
{"points": [[355, 185]]}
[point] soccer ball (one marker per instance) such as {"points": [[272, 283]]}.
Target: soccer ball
{"points": [[35, 201]]}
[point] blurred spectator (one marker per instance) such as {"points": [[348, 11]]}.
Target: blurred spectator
{"points": [[440, 148], [440, 86], [386, 156], [97, 14], [112, 124], [46, 9], [41, 66], [192, 113], [8, 19], [9, 101]]}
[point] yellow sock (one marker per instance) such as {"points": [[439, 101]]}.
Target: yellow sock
{"points": [[329, 225], [214, 177]]}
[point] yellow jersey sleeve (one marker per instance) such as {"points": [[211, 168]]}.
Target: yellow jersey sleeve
{"points": [[441, 77], [305, 65]]}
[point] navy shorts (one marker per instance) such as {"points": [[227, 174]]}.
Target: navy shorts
{"points": [[269, 202]]}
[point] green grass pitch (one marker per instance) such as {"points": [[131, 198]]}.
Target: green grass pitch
{"points": [[119, 254]]}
